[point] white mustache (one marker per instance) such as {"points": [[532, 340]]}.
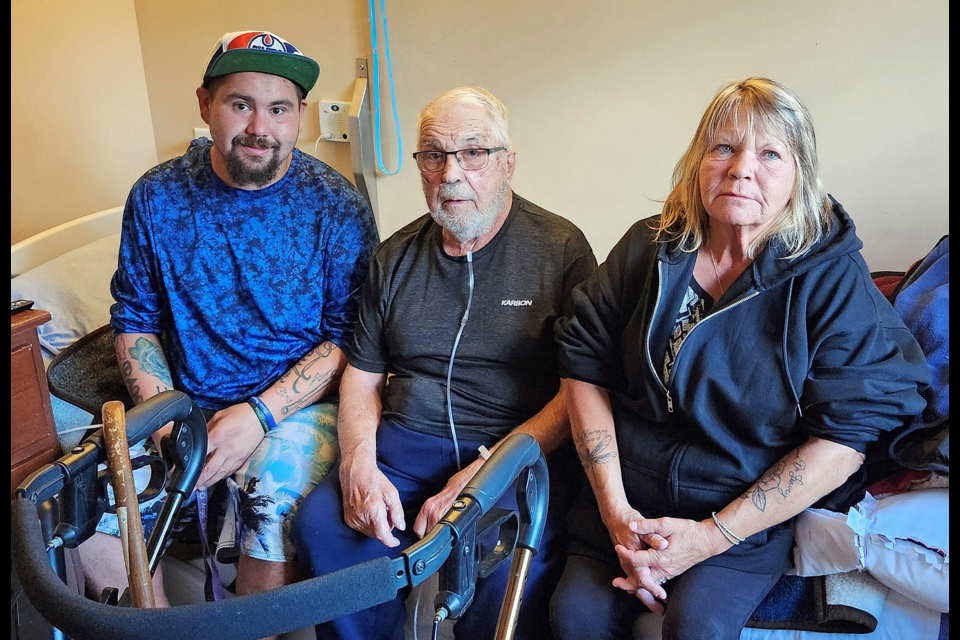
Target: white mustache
{"points": [[454, 192]]}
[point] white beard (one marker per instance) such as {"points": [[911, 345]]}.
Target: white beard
{"points": [[468, 227]]}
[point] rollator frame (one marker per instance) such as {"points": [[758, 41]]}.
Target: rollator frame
{"points": [[451, 547]]}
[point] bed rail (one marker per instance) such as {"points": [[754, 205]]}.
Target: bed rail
{"points": [[49, 244]]}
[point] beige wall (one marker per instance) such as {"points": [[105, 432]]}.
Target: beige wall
{"points": [[79, 117], [178, 35], [604, 97]]}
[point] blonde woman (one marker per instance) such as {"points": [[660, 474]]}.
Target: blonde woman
{"points": [[725, 369]]}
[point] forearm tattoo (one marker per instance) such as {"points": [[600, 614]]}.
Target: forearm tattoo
{"points": [[300, 385], [775, 480], [151, 360], [131, 382], [592, 447]]}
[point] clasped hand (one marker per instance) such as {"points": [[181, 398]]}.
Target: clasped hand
{"points": [[639, 580], [687, 544], [437, 506]]}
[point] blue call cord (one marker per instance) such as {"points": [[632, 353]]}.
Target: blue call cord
{"points": [[375, 83]]}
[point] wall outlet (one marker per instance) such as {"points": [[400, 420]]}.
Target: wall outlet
{"points": [[333, 121], [200, 132]]}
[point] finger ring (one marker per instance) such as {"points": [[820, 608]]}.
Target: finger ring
{"points": [[662, 581]]}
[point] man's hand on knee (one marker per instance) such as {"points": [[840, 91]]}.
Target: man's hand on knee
{"points": [[233, 434], [435, 508], [371, 504]]}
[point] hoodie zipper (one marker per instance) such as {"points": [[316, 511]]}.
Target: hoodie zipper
{"points": [[677, 358], [656, 307]]}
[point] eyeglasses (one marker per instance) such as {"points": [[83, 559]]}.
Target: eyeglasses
{"points": [[468, 159]]}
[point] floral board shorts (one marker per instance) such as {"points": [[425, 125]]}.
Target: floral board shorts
{"points": [[263, 495]]}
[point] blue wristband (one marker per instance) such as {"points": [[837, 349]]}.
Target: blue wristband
{"points": [[263, 414]]}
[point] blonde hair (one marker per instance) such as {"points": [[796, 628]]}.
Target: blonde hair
{"points": [[770, 107], [477, 97]]}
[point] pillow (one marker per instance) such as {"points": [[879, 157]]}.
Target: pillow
{"points": [[74, 288], [903, 540], [824, 544], [905, 544]]}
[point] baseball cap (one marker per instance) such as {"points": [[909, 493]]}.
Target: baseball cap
{"points": [[262, 52]]}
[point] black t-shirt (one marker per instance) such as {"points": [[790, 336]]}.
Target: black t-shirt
{"points": [[505, 368]]}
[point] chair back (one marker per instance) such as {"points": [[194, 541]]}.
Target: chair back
{"points": [[86, 373]]}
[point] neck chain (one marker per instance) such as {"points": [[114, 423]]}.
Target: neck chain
{"points": [[716, 272]]}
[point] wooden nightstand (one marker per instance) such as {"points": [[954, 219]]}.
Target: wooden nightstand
{"points": [[33, 435]]}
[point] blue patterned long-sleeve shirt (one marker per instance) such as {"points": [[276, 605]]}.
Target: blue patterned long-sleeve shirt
{"points": [[240, 284]]}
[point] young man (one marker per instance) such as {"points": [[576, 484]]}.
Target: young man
{"points": [[240, 265]]}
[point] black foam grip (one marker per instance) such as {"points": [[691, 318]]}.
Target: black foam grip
{"points": [[292, 607], [151, 414]]}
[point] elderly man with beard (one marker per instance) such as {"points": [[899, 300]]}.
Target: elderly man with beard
{"points": [[240, 264], [458, 310]]}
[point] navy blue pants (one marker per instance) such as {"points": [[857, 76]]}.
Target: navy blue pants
{"points": [[419, 466], [707, 602]]}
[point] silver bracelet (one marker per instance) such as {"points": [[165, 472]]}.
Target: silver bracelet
{"points": [[731, 537]]}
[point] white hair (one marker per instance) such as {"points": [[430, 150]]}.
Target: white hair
{"points": [[477, 97]]}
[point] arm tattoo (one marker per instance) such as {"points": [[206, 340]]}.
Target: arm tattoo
{"points": [[592, 448], [151, 359], [306, 379], [774, 480], [320, 383], [131, 382], [135, 393]]}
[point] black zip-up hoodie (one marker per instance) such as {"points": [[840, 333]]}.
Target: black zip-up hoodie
{"points": [[795, 348]]}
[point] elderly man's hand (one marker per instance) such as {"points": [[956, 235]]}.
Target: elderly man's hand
{"points": [[233, 434], [644, 586], [435, 508], [371, 504]]}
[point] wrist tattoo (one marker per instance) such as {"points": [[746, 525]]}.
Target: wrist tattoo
{"points": [[592, 447]]}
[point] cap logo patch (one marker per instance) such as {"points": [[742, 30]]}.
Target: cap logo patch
{"points": [[260, 41]]}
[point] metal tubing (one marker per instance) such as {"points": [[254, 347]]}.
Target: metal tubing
{"points": [[513, 596], [362, 150], [163, 528]]}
